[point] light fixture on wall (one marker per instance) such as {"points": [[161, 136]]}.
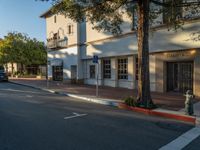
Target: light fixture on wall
{"points": [[192, 52]]}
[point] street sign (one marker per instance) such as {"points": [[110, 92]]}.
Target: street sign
{"points": [[95, 59]]}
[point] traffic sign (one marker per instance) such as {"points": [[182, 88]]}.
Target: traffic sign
{"points": [[95, 59]]}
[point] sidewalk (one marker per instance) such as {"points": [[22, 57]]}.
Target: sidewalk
{"points": [[167, 102]]}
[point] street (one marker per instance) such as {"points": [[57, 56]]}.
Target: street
{"points": [[31, 119]]}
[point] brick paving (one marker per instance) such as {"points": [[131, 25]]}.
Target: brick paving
{"points": [[171, 100]]}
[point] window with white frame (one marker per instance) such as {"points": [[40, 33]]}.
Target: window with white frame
{"points": [[107, 68], [92, 71], [123, 68]]}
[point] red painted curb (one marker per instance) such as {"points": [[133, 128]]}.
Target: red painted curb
{"points": [[160, 114]]}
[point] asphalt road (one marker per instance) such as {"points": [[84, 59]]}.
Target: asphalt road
{"points": [[31, 119]]}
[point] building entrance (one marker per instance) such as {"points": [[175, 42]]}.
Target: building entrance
{"points": [[57, 73], [179, 76]]}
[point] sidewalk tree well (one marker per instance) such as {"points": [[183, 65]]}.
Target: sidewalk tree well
{"points": [[107, 15], [19, 48]]}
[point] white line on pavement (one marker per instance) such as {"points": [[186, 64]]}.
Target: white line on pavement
{"points": [[182, 140], [75, 115]]}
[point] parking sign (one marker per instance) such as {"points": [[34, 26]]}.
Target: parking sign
{"points": [[95, 59]]}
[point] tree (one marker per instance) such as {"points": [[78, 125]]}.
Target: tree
{"points": [[19, 48], [107, 15]]}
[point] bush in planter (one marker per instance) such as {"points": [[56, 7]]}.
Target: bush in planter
{"points": [[131, 101]]}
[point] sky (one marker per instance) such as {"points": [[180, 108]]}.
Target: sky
{"points": [[23, 16]]}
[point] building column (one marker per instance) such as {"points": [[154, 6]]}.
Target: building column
{"points": [[197, 76], [160, 79], [131, 77], [114, 72]]}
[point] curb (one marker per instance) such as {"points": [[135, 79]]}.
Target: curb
{"points": [[120, 105], [107, 102], [180, 117]]}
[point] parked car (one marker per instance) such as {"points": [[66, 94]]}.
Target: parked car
{"points": [[3, 74]]}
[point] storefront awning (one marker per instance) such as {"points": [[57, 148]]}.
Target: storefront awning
{"points": [[56, 62]]}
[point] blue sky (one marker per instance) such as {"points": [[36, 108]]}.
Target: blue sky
{"points": [[23, 16]]}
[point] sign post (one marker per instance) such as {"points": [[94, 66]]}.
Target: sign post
{"points": [[96, 61]]}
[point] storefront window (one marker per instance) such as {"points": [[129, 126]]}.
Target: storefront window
{"points": [[107, 68], [123, 68]]}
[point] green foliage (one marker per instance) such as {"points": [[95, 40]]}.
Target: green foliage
{"points": [[110, 13], [131, 101], [19, 48]]}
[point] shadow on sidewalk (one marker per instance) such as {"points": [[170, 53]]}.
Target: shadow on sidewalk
{"points": [[170, 100]]}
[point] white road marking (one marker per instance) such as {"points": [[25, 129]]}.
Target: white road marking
{"points": [[75, 115], [21, 91], [183, 140], [29, 96]]}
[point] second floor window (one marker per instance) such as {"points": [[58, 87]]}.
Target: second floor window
{"points": [[55, 19], [70, 29], [123, 68], [172, 13]]}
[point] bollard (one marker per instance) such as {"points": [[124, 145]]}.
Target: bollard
{"points": [[189, 103]]}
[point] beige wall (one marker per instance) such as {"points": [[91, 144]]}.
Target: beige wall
{"points": [[61, 25], [197, 76], [93, 35], [160, 68]]}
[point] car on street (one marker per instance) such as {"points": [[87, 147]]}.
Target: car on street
{"points": [[3, 74]]}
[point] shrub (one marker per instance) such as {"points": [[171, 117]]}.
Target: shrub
{"points": [[131, 101]]}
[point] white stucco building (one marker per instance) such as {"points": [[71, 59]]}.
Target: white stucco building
{"points": [[174, 58]]}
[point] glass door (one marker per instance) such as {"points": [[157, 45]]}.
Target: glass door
{"points": [[179, 76], [57, 73]]}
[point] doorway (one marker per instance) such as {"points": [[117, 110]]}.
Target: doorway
{"points": [[73, 73], [57, 73], [179, 76]]}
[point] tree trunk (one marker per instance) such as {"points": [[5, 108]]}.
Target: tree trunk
{"points": [[144, 94]]}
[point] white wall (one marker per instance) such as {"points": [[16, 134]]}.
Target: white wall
{"points": [[69, 57], [61, 25], [160, 40], [113, 81]]}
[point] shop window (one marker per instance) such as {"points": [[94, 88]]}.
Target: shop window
{"points": [[107, 68], [136, 68], [92, 71], [123, 68]]}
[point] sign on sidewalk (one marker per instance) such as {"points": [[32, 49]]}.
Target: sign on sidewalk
{"points": [[95, 59]]}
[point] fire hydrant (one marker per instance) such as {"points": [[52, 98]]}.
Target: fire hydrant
{"points": [[189, 103]]}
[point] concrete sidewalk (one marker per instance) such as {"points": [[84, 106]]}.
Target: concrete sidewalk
{"points": [[171, 104]]}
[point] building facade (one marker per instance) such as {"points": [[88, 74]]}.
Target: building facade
{"points": [[174, 57]]}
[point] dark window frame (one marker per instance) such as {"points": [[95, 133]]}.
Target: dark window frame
{"points": [[106, 68], [122, 69], [92, 71], [136, 69]]}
